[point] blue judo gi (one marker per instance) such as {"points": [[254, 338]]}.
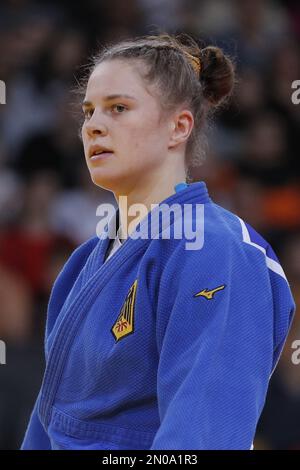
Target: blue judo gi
{"points": [[161, 347]]}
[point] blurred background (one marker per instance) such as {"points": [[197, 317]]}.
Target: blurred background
{"points": [[48, 203]]}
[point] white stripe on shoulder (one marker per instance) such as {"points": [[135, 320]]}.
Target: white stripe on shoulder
{"points": [[271, 263]]}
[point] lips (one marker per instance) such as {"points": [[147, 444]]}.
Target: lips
{"points": [[97, 151]]}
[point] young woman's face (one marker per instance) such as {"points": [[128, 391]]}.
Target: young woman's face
{"points": [[122, 116]]}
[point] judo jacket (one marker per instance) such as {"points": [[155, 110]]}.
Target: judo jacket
{"points": [[163, 346]]}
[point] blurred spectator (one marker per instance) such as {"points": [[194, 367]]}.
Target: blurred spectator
{"points": [[16, 307], [73, 213], [11, 188], [162, 14], [26, 243], [20, 377], [37, 95], [250, 29]]}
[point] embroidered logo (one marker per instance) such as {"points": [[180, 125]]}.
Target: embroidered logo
{"points": [[209, 294], [124, 324]]}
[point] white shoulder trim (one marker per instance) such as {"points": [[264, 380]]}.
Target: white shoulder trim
{"points": [[271, 263]]}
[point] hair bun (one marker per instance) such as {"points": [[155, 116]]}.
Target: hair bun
{"points": [[217, 75]]}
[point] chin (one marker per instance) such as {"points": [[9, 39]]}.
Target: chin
{"points": [[106, 180]]}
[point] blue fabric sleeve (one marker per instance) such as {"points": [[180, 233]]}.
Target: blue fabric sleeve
{"points": [[65, 281], [35, 437], [216, 354]]}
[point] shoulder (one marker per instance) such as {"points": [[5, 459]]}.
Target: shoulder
{"points": [[81, 253], [222, 240], [245, 239], [66, 278], [75, 263]]}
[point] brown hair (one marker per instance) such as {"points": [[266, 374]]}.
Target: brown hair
{"points": [[184, 74]]}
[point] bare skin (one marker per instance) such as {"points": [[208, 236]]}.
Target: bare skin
{"points": [[148, 151]]}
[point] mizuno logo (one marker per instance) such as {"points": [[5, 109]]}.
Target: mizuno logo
{"points": [[209, 294], [124, 324]]}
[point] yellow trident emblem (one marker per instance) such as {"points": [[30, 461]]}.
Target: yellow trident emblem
{"points": [[209, 294]]}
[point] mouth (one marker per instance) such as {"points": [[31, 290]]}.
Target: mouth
{"points": [[99, 153]]}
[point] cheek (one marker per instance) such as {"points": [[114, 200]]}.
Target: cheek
{"points": [[145, 136]]}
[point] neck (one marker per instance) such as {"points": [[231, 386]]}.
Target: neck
{"points": [[145, 192]]}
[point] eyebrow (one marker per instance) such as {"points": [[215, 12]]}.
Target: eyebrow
{"points": [[109, 98]]}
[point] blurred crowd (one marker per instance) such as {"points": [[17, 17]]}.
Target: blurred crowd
{"points": [[48, 203]]}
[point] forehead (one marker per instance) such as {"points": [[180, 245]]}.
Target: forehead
{"points": [[115, 77]]}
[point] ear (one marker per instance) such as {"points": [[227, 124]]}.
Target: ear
{"points": [[181, 126]]}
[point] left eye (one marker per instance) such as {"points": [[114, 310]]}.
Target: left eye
{"points": [[118, 107]]}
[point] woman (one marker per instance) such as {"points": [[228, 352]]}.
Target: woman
{"points": [[153, 343]]}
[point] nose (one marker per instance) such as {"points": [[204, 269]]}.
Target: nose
{"points": [[95, 126]]}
